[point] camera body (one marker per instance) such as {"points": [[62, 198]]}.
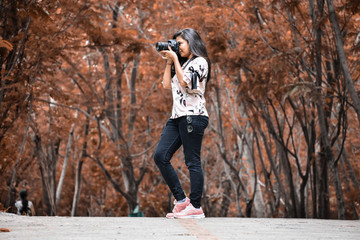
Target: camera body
{"points": [[174, 45]]}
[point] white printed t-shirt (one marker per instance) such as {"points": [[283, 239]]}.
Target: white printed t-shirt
{"points": [[188, 101]]}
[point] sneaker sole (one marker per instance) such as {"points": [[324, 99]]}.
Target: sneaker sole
{"points": [[192, 216]]}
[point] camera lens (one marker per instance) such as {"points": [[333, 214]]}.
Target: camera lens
{"points": [[161, 46]]}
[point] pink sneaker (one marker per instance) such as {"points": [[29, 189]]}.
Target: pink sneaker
{"points": [[178, 207], [190, 212]]}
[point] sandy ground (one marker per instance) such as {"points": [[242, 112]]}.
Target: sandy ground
{"points": [[51, 228]]}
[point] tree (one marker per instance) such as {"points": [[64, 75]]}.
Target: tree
{"points": [[284, 122]]}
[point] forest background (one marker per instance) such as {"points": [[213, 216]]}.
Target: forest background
{"points": [[82, 106]]}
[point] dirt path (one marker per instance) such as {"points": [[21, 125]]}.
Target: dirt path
{"points": [[64, 228]]}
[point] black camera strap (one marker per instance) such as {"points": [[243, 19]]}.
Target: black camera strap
{"points": [[189, 61], [194, 74]]}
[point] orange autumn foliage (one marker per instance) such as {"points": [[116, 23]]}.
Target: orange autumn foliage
{"points": [[92, 65]]}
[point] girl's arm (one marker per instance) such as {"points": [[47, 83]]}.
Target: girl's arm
{"points": [[179, 71], [171, 57], [167, 76]]}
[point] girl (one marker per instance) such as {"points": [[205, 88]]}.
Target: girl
{"points": [[186, 74], [24, 207]]}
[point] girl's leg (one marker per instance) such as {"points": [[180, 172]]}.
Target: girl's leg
{"points": [[170, 142], [191, 138]]}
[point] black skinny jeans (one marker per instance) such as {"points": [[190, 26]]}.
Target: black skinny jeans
{"points": [[179, 132]]}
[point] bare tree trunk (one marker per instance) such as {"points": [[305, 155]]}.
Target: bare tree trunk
{"points": [[348, 189], [314, 190], [342, 57], [281, 148], [280, 191], [76, 197], [310, 159], [350, 168], [114, 116], [327, 156], [270, 208], [130, 183], [258, 200], [66, 159], [284, 161], [47, 162], [323, 204], [8, 199], [132, 115], [128, 169], [225, 203], [338, 190], [245, 146], [232, 173]]}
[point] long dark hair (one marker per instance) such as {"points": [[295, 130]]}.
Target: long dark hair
{"points": [[197, 46], [24, 201]]}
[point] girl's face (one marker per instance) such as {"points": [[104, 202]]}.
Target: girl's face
{"points": [[184, 48]]}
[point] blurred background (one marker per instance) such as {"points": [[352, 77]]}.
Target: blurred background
{"points": [[82, 106]]}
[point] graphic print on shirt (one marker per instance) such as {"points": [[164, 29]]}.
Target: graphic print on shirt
{"points": [[181, 96], [188, 101]]}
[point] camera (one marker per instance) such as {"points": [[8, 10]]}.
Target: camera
{"points": [[161, 46]]}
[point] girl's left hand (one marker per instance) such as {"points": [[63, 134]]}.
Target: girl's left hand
{"points": [[170, 55]]}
